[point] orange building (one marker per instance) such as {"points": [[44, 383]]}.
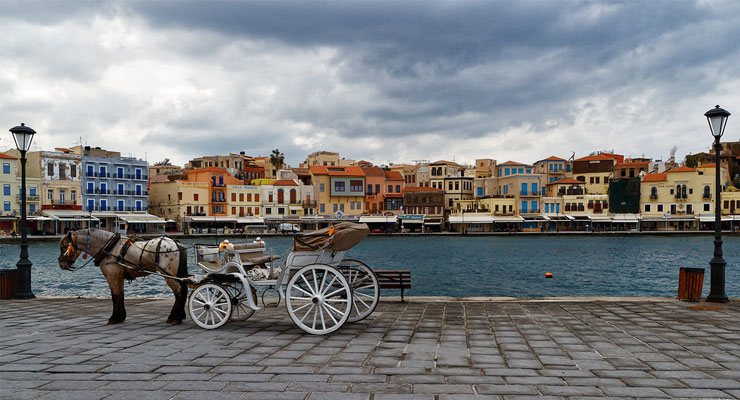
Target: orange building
{"points": [[217, 179], [375, 193]]}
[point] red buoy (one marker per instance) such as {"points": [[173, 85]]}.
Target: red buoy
{"points": [[548, 274]]}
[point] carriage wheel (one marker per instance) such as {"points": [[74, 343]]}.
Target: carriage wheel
{"points": [[365, 288], [209, 306], [240, 312], [318, 299]]}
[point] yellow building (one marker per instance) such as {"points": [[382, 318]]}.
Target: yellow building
{"points": [[553, 168], [595, 171], [328, 159], [179, 201], [10, 184], [673, 200], [243, 201], [339, 191]]}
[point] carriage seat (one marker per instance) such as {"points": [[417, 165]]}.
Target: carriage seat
{"points": [[253, 253]]}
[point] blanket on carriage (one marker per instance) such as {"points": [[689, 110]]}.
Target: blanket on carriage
{"points": [[340, 237]]}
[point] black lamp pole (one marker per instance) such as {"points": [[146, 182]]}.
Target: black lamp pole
{"points": [[717, 118], [23, 136]]}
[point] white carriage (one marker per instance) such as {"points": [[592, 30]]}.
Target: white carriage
{"points": [[320, 288]]}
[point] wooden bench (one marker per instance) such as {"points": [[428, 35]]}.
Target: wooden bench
{"points": [[394, 279]]}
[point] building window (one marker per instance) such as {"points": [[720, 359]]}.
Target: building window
{"points": [[195, 196], [241, 197], [256, 197], [355, 186], [390, 188], [322, 208], [6, 168], [32, 207], [369, 189], [91, 205], [233, 210], [660, 208], [359, 205], [321, 187], [121, 206], [647, 207], [233, 197], [6, 190], [6, 206], [339, 186], [32, 191], [249, 197], [73, 196], [50, 194], [336, 207]]}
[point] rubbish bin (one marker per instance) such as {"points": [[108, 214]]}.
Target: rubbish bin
{"points": [[8, 282], [690, 282]]}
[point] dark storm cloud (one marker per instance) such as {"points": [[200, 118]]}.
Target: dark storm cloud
{"points": [[488, 79]]}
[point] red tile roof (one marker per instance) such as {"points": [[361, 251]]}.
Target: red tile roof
{"points": [[553, 158], [710, 165], [206, 169], [566, 181], [618, 157], [422, 189], [7, 157], [393, 175], [284, 182], [655, 177], [597, 157], [681, 169], [372, 171], [445, 162]]}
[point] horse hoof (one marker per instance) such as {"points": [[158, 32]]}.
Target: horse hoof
{"points": [[114, 321], [174, 321]]}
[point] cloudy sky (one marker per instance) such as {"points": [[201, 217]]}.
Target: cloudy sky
{"points": [[386, 81]]}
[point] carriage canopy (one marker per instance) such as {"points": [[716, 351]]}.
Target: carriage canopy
{"points": [[340, 237]]}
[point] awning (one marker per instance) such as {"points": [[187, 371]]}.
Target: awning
{"points": [[471, 219], [654, 219], [378, 219], [507, 219], [69, 215], [211, 219], [39, 218], [626, 218], [141, 218], [103, 214], [536, 218], [580, 217], [599, 218], [296, 208], [558, 218], [7, 218], [250, 220], [706, 218]]}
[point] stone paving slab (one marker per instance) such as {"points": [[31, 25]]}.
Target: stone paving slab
{"points": [[60, 348]]}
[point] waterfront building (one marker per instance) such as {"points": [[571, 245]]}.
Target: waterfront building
{"points": [[439, 170], [423, 175], [270, 171], [164, 169], [679, 199], [484, 168], [375, 190], [731, 210], [631, 168], [10, 181], [595, 171], [180, 201], [408, 172], [244, 201], [522, 182], [60, 189], [486, 214], [395, 185], [328, 159], [587, 212], [282, 201], [339, 191], [423, 209], [457, 188], [552, 168], [111, 183], [234, 164]]}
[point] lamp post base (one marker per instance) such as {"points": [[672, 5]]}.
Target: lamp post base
{"points": [[24, 280], [717, 281]]}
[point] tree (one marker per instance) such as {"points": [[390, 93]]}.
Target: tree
{"points": [[276, 159], [692, 160]]}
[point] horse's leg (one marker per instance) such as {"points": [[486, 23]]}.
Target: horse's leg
{"points": [[179, 288], [114, 275], [178, 309]]}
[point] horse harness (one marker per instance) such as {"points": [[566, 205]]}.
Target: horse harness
{"points": [[106, 251]]}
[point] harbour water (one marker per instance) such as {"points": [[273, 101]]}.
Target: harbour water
{"points": [[463, 266]]}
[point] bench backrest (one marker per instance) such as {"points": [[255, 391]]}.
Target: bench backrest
{"points": [[394, 279]]}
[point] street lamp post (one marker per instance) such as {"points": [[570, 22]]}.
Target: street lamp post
{"points": [[717, 118], [23, 136]]}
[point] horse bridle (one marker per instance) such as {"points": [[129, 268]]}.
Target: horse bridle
{"points": [[97, 259]]}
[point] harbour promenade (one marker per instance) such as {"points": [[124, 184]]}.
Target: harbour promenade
{"points": [[426, 348]]}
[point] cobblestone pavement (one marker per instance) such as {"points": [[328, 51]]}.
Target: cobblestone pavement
{"points": [[56, 348]]}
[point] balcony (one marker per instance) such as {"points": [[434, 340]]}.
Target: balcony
{"points": [[218, 200], [706, 195], [28, 198], [653, 196]]}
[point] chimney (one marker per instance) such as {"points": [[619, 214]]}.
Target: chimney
{"points": [[242, 152]]}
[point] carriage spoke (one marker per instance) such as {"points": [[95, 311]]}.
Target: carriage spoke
{"points": [[328, 311], [308, 285], [315, 315], [305, 292], [321, 312], [302, 307], [367, 306], [315, 281], [323, 291], [334, 292], [364, 294], [330, 308]]}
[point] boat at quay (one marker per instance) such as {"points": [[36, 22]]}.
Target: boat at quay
{"points": [[465, 266]]}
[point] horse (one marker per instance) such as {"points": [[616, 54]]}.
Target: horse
{"points": [[119, 258]]}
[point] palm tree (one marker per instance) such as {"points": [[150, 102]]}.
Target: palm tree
{"points": [[276, 159]]}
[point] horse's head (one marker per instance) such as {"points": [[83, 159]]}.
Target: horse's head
{"points": [[68, 251]]}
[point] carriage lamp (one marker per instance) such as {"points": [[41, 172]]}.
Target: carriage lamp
{"points": [[717, 119], [23, 137]]}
